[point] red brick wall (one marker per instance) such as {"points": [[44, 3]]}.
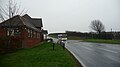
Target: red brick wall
{"points": [[15, 41], [30, 42], [2, 32]]}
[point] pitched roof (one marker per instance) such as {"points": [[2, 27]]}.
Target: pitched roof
{"points": [[14, 21], [19, 21], [37, 22]]}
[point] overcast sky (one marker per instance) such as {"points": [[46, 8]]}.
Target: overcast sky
{"points": [[73, 15]]}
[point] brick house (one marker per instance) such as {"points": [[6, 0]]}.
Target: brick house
{"points": [[24, 28]]}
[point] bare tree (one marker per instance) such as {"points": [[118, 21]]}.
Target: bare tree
{"points": [[11, 9], [7, 12], [97, 26]]}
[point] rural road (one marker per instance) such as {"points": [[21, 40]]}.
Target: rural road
{"points": [[95, 54]]}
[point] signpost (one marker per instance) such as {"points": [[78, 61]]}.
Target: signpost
{"points": [[53, 46]]}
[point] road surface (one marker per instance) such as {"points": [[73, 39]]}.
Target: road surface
{"points": [[95, 54]]}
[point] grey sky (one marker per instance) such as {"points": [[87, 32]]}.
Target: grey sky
{"points": [[75, 15]]}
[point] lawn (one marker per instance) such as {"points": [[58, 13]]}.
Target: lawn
{"points": [[74, 38], [40, 56], [103, 41]]}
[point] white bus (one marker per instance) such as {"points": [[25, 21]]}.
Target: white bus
{"points": [[62, 37]]}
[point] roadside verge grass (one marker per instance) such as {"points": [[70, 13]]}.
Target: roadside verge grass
{"points": [[103, 41], [39, 56], [74, 38]]}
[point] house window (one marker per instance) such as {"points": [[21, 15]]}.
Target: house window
{"points": [[34, 34], [17, 31], [10, 32], [31, 33], [28, 31], [38, 35]]}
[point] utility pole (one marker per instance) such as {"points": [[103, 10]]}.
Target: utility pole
{"points": [[111, 34]]}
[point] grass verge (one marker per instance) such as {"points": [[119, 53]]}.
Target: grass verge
{"points": [[39, 56], [74, 38], [103, 41]]}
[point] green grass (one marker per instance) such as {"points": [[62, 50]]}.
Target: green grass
{"points": [[95, 40], [103, 41], [39, 56], [73, 38]]}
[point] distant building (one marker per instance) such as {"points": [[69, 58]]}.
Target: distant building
{"points": [[45, 34], [24, 27]]}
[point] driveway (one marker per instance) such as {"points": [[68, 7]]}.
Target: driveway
{"points": [[95, 54]]}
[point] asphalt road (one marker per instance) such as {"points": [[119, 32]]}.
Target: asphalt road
{"points": [[95, 54]]}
